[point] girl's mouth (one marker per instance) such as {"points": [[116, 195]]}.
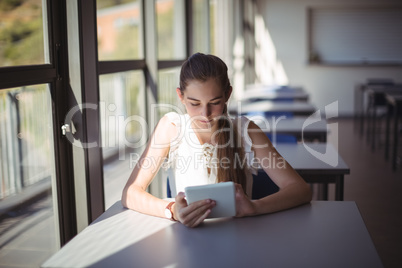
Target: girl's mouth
{"points": [[206, 121]]}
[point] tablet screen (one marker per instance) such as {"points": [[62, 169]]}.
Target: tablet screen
{"points": [[223, 193]]}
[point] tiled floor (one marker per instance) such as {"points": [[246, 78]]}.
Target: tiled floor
{"points": [[27, 240]]}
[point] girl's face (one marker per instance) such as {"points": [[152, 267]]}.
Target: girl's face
{"points": [[204, 102]]}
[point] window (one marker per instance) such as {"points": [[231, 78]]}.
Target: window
{"points": [[213, 9], [120, 34], [201, 24], [22, 30], [169, 80], [32, 226], [121, 89], [122, 110], [171, 29], [29, 222]]}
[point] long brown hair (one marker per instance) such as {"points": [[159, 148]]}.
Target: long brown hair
{"points": [[202, 67]]}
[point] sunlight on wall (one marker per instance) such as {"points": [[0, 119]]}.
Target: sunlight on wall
{"points": [[269, 69]]}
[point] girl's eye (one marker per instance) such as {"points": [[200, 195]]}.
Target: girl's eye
{"points": [[212, 103]]}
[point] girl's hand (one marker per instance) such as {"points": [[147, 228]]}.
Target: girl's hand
{"points": [[194, 214], [244, 206]]}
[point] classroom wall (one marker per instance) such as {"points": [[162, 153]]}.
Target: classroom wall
{"points": [[286, 34]]}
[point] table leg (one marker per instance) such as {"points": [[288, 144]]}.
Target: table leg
{"points": [[358, 106], [323, 191], [396, 132], [389, 107], [362, 113], [323, 137], [368, 123], [339, 188], [373, 130]]}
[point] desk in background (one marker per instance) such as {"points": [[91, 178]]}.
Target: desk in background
{"points": [[320, 234], [255, 92], [273, 88], [312, 168], [260, 107], [296, 127], [251, 96]]}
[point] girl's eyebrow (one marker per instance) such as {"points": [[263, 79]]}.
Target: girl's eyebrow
{"points": [[189, 98]]}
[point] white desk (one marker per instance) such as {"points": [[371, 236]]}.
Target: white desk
{"points": [[320, 234]]}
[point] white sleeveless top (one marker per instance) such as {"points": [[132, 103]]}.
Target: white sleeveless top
{"points": [[189, 160]]}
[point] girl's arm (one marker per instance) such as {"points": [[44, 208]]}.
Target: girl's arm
{"points": [[293, 190], [136, 197]]}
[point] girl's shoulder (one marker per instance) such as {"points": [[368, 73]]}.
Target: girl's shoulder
{"points": [[175, 118], [171, 125], [243, 122], [247, 128]]}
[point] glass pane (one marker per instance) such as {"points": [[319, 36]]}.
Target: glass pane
{"points": [[122, 105], [119, 29], [22, 25], [28, 220], [169, 80], [212, 27], [171, 29], [201, 26], [168, 101]]}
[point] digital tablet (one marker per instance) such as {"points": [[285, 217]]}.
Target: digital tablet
{"points": [[222, 193]]}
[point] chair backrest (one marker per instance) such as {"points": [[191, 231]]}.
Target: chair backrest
{"points": [[377, 98], [282, 138], [168, 191], [263, 185], [380, 82]]}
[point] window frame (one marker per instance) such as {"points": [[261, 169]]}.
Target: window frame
{"points": [[54, 74]]}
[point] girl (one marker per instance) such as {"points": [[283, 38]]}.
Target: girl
{"points": [[206, 146]]}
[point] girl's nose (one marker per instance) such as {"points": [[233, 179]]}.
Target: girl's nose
{"points": [[206, 111]]}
